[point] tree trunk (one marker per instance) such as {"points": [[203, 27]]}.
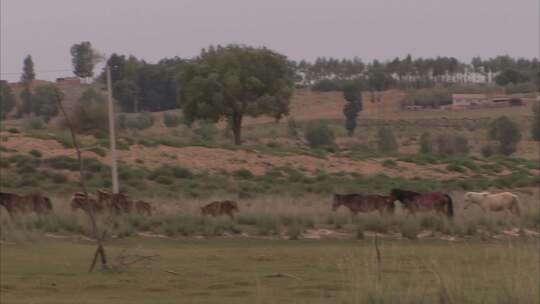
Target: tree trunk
{"points": [[237, 128]]}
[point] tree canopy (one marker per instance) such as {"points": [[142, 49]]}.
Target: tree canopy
{"points": [[353, 95], [84, 58], [45, 101], [28, 73], [235, 81]]}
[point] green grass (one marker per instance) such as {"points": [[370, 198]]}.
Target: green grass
{"points": [[241, 270]]}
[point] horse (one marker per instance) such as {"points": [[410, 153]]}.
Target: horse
{"points": [[220, 208], [86, 203], [143, 207], [493, 202], [364, 203], [35, 202], [116, 202], [423, 202]]}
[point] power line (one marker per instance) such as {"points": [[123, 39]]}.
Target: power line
{"points": [[44, 71]]}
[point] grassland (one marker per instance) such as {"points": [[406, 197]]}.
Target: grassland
{"points": [[247, 271]]}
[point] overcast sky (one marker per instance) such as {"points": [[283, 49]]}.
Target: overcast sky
{"points": [[301, 29]]}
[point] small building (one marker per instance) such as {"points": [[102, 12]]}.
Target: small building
{"points": [[68, 80], [465, 101]]}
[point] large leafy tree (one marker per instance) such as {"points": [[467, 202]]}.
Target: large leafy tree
{"points": [[7, 100], [353, 95], [45, 101], [84, 58], [506, 132], [509, 76], [28, 73], [236, 81]]}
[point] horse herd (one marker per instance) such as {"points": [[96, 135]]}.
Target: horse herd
{"points": [[113, 203], [411, 201], [415, 202]]}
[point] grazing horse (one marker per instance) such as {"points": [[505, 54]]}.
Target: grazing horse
{"points": [[364, 203], [116, 202], [143, 207], [493, 202], [423, 202], [220, 208], [35, 202], [88, 204]]}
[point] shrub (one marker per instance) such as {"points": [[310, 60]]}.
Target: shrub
{"points": [[35, 123], [426, 144], [455, 168], [388, 163], [535, 131], [206, 131], [171, 120], [58, 178], [507, 133], [386, 140], [243, 174], [89, 118], [14, 130], [35, 153], [452, 144], [140, 122], [318, 134], [488, 150], [164, 180], [180, 172], [292, 127]]}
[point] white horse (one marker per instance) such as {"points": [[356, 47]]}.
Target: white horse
{"points": [[493, 202]]}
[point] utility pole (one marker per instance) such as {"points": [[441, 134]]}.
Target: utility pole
{"points": [[112, 134]]}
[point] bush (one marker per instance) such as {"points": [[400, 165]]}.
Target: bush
{"points": [[507, 133], [140, 122], [426, 144], [35, 123], [14, 130], [388, 163], [318, 134], [35, 153], [535, 131], [386, 140], [452, 144], [488, 150], [206, 131], [243, 174], [89, 118], [292, 127], [171, 120], [180, 172], [58, 178]]}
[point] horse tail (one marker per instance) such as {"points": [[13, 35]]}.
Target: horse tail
{"points": [[450, 205]]}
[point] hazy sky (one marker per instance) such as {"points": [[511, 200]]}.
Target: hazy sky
{"points": [[153, 29]]}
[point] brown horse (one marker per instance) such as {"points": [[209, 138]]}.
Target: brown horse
{"points": [[116, 202], [87, 204], [220, 208], [424, 202], [364, 203], [35, 202], [143, 207]]}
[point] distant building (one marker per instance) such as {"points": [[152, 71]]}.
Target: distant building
{"points": [[464, 101], [68, 80]]}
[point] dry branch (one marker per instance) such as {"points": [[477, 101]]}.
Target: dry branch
{"points": [[100, 250]]}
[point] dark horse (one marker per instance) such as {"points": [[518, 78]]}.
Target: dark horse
{"points": [[364, 203], [220, 208], [15, 203], [423, 202]]}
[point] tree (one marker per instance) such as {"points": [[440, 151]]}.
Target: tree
{"points": [[126, 92], [235, 81], [45, 101], [536, 122], [7, 100], [510, 76], [89, 116], [353, 95], [387, 140], [84, 58], [26, 101], [28, 71], [506, 132]]}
